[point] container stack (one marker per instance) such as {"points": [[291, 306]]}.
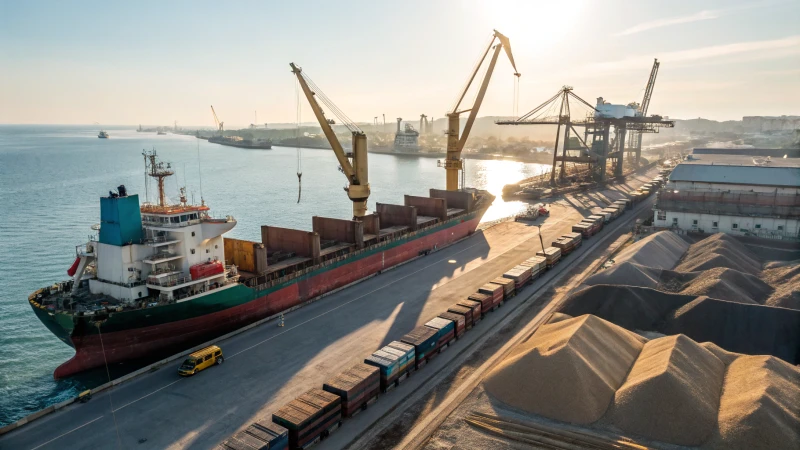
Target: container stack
{"points": [[508, 287], [551, 254], [568, 243], [458, 320], [599, 218], [445, 332], [486, 301], [520, 274], [260, 435], [424, 340], [585, 229], [538, 265], [358, 386], [477, 313], [310, 417], [394, 362], [463, 311], [496, 291]]}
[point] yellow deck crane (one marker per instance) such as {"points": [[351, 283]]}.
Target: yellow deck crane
{"points": [[353, 165], [455, 143], [216, 120]]}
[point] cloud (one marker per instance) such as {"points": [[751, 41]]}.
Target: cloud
{"points": [[660, 23], [733, 52]]}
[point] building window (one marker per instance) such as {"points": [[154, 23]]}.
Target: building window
{"points": [[675, 221], [661, 215], [758, 225], [192, 233], [735, 226], [192, 251], [207, 250], [715, 224], [216, 246], [780, 227], [694, 222]]}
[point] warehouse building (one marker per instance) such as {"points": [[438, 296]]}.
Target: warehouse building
{"points": [[735, 194]]}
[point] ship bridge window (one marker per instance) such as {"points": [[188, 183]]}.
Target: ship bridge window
{"points": [[184, 218], [193, 216], [175, 219]]}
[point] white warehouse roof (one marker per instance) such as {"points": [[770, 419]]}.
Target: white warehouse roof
{"points": [[739, 169]]}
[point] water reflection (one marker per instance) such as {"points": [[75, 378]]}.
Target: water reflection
{"points": [[493, 175]]}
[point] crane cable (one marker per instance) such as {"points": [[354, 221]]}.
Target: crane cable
{"points": [[296, 139]]}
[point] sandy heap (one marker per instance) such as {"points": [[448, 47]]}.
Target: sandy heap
{"points": [[719, 250], [660, 250], [760, 405], [672, 392], [785, 278], [626, 274], [729, 284], [568, 370]]}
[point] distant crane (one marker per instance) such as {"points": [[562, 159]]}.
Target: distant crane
{"points": [[636, 137], [455, 143], [217, 121], [353, 165], [423, 124]]}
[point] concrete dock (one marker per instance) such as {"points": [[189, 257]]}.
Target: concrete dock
{"points": [[267, 366]]}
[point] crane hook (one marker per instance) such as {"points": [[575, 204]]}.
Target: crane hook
{"points": [[299, 185]]}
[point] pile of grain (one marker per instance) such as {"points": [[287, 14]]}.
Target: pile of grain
{"points": [[626, 274], [760, 405], [728, 284], [720, 250], [634, 308], [785, 278], [722, 354], [568, 370], [737, 327], [660, 250], [672, 392]]}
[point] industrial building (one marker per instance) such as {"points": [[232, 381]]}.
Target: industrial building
{"points": [[735, 194]]}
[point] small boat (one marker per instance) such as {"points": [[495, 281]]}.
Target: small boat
{"points": [[102, 135], [160, 133]]}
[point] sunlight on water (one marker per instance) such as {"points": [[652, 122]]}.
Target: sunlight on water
{"points": [[493, 175]]}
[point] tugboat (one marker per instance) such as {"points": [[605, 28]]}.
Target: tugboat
{"points": [[102, 135]]}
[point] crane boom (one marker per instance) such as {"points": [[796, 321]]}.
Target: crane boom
{"points": [[356, 172], [455, 143], [217, 121], [648, 92]]}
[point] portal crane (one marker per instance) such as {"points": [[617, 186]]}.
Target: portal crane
{"points": [[645, 105], [353, 165], [216, 120], [455, 143]]}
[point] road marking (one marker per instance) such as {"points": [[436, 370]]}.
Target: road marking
{"points": [[68, 432], [351, 301], [148, 395]]}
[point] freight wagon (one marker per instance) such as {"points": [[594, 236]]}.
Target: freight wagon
{"points": [[508, 287], [424, 340], [477, 312], [622, 204], [486, 301], [495, 291], [568, 243], [599, 219], [445, 332], [259, 435], [520, 274], [458, 320], [585, 229], [357, 386], [552, 254], [395, 362], [538, 265], [464, 312], [310, 417]]}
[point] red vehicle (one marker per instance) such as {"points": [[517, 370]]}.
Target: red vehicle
{"points": [[543, 211]]}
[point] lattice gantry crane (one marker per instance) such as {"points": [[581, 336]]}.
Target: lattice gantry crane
{"points": [[453, 164], [353, 165]]}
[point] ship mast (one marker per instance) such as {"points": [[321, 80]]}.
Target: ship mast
{"points": [[159, 171]]}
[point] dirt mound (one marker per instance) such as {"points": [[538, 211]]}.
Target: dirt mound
{"points": [[722, 354], [634, 308], [719, 250], [567, 371], [672, 392], [785, 278], [626, 274], [740, 328], [660, 250], [558, 317], [729, 284], [759, 406]]}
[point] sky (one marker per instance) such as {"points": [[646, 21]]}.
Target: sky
{"points": [[158, 62]]}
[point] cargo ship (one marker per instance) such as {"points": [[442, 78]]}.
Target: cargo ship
{"points": [[159, 278]]}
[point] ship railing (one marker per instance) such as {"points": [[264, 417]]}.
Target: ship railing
{"points": [[169, 281], [155, 240], [267, 281]]}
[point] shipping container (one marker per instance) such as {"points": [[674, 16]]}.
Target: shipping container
{"points": [[494, 290], [477, 313], [445, 331], [394, 361], [310, 417], [625, 203], [538, 264], [424, 340], [552, 254], [508, 286], [487, 301], [458, 320], [357, 386], [599, 219], [583, 228], [259, 435], [462, 311]]}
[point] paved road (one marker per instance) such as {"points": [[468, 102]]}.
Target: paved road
{"points": [[268, 366]]}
